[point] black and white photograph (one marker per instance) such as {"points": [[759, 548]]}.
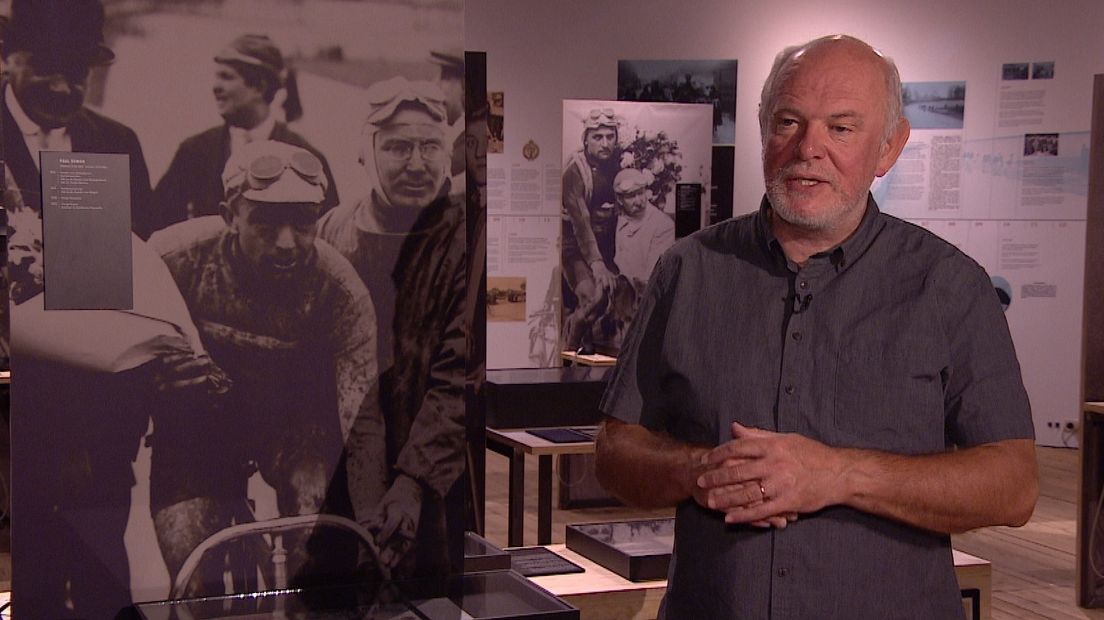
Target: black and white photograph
{"points": [[1015, 70], [934, 105], [1045, 144], [1042, 70], [284, 405], [622, 163], [684, 81], [506, 298], [496, 121]]}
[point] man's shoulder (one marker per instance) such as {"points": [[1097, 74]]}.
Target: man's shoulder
{"points": [[189, 238], [204, 140], [338, 226], [574, 163], [94, 131], [907, 252], [915, 244], [336, 271], [660, 222], [735, 234], [104, 124], [281, 132]]}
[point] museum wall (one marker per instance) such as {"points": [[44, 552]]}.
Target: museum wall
{"points": [[540, 53]]}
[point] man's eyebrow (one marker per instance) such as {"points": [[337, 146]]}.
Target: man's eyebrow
{"points": [[785, 110], [837, 116], [850, 115]]}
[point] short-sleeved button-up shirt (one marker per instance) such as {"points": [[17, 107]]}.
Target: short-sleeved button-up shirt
{"points": [[894, 340]]}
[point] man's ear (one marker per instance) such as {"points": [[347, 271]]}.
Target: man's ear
{"points": [[893, 146]]}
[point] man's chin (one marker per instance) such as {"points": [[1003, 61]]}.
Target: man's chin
{"points": [[53, 118], [809, 216]]}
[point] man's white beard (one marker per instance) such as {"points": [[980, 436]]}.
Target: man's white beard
{"points": [[822, 219]]}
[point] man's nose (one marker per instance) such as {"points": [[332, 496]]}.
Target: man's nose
{"points": [[416, 161], [60, 84], [811, 141], [285, 238]]}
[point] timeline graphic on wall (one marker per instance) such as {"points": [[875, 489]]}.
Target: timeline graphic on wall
{"points": [[1015, 202]]}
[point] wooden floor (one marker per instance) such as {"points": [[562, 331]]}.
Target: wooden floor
{"points": [[1033, 566]]}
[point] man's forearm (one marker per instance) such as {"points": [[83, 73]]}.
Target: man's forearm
{"points": [[771, 473], [643, 468], [992, 484]]}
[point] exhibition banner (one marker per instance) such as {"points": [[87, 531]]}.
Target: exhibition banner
{"points": [[278, 400]]}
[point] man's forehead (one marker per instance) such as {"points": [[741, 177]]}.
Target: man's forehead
{"points": [[845, 83], [417, 130], [256, 209], [47, 63]]}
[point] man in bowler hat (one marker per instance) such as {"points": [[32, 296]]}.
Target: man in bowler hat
{"points": [[49, 48], [79, 431]]}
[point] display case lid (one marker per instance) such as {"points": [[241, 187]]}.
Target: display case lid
{"points": [[497, 595]]}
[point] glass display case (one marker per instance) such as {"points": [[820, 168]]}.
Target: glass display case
{"points": [[496, 595], [480, 555]]}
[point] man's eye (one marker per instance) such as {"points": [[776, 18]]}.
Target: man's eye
{"points": [[842, 129], [400, 148], [431, 149]]}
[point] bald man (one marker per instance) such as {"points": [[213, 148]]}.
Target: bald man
{"points": [[825, 392]]}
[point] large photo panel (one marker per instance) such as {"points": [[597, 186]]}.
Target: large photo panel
{"points": [[282, 404], [626, 165]]}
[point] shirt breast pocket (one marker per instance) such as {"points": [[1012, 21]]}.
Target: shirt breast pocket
{"points": [[889, 396]]}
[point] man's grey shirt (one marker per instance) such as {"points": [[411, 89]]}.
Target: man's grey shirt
{"points": [[894, 341]]}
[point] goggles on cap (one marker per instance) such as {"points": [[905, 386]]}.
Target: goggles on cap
{"points": [[266, 169], [601, 117], [386, 96]]}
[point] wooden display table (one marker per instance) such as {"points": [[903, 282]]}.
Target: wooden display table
{"points": [[601, 594], [515, 444], [593, 359]]}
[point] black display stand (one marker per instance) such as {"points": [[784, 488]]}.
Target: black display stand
{"points": [[1090, 582], [637, 550], [542, 397]]}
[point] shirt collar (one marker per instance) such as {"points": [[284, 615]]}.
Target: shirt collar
{"points": [[263, 131], [841, 255]]}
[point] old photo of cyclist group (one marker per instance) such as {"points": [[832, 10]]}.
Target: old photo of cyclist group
{"points": [[289, 400]]}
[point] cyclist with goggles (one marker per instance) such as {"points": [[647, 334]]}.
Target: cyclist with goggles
{"points": [[289, 321], [590, 214], [406, 239]]}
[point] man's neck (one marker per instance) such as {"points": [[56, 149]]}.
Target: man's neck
{"points": [[798, 243], [250, 119]]}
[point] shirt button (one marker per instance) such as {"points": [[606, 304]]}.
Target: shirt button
{"points": [[789, 389], [796, 335], [782, 572], [804, 284]]}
